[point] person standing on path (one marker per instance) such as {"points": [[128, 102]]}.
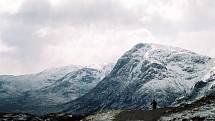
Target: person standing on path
{"points": [[154, 105]]}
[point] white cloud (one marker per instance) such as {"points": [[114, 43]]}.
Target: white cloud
{"points": [[94, 46], [199, 41], [4, 48], [42, 32], [9, 6]]}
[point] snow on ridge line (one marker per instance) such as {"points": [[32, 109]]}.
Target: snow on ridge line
{"points": [[154, 46]]}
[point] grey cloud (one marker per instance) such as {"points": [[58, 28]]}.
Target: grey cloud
{"points": [[76, 12], [19, 30], [33, 12], [97, 11], [197, 15], [200, 15]]}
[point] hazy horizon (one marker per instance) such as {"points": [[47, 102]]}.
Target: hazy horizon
{"points": [[40, 34]]}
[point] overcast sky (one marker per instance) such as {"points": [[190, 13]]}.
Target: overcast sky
{"points": [[40, 34]]}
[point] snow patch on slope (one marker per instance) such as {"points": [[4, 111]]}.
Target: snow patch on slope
{"points": [[105, 116]]}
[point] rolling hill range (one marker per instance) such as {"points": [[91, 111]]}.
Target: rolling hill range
{"points": [[170, 75]]}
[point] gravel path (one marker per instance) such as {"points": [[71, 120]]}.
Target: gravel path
{"points": [[140, 115]]}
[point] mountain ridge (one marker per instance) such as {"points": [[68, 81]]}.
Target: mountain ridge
{"points": [[145, 72], [44, 91], [170, 75]]}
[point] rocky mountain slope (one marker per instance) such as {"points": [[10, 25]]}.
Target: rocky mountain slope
{"points": [[202, 109], [146, 72]]}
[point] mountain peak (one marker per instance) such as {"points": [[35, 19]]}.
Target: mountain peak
{"points": [[150, 50], [141, 74], [157, 46], [140, 45], [143, 45]]}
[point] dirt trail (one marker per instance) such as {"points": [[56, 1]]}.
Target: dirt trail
{"points": [[140, 115]]}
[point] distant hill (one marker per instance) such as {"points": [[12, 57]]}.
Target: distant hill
{"points": [[46, 91]]}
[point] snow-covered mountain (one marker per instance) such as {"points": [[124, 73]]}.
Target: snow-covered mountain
{"points": [[36, 81], [45, 91], [14, 86], [146, 72]]}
